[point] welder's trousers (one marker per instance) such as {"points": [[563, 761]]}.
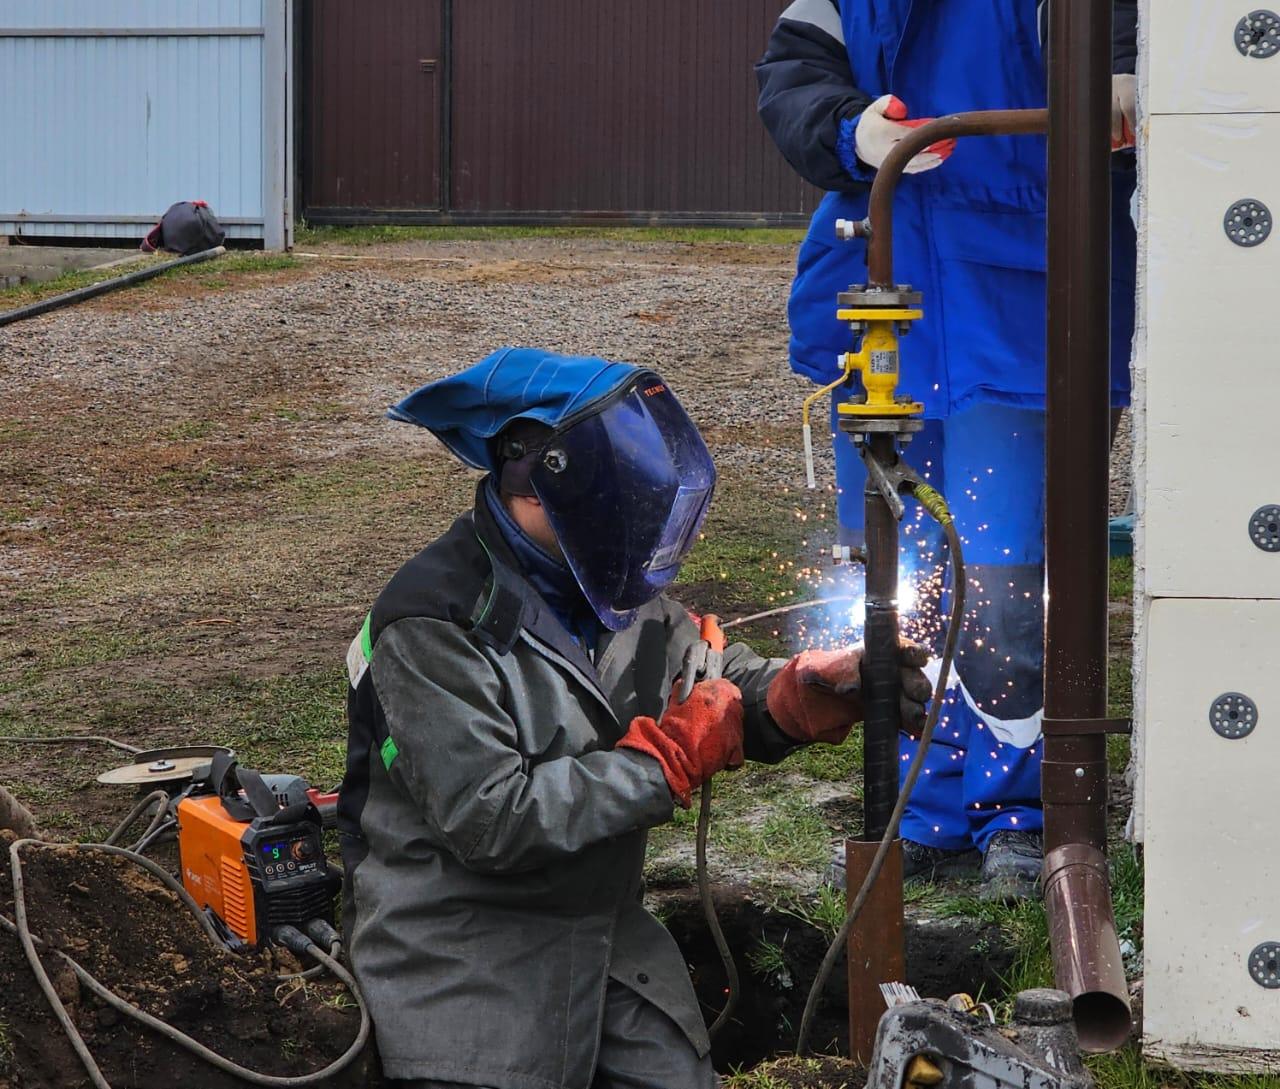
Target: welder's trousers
{"points": [[640, 1048], [982, 772]]}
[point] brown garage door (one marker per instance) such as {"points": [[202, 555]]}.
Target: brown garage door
{"points": [[615, 106], [372, 104], [546, 111]]}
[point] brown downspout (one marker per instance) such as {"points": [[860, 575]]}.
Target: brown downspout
{"points": [[1082, 934]]}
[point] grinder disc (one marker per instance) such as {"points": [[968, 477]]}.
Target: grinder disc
{"points": [[160, 766]]}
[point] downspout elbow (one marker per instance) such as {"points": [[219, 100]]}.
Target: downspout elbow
{"points": [[1087, 962]]}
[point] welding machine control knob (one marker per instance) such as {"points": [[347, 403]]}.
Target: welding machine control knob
{"points": [[302, 849]]}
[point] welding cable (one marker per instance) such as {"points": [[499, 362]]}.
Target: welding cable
{"points": [[156, 820], [70, 739], [316, 970], [709, 911], [154, 836], [19, 925], [936, 506]]}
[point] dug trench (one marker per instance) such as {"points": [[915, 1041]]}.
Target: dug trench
{"points": [[134, 935], [778, 954]]}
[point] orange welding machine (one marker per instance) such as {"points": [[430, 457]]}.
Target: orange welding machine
{"points": [[250, 852]]}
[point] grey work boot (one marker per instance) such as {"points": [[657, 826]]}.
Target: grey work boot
{"points": [[931, 863], [1011, 865], [918, 861]]}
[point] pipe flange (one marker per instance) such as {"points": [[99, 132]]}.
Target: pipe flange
{"points": [[1264, 965], [1264, 528], [1233, 715], [861, 297], [1257, 35], [1247, 222]]}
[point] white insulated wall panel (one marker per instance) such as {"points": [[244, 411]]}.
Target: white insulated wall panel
{"points": [[1194, 65], [1212, 869], [1212, 356], [1206, 417]]}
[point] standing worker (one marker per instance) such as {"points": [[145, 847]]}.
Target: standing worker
{"points": [[841, 82], [514, 732]]}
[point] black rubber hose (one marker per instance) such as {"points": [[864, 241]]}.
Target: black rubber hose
{"points": [[913, 772], [157, 818], [20, 926], [709, 911]]}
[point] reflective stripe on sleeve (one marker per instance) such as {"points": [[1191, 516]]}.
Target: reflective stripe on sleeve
{"points": [[820, 13], [360, 652]]}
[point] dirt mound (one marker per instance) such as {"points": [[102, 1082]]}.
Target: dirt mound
{"points": [[821, 1072], [136, 937]]}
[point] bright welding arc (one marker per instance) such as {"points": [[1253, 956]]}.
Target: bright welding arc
{"points": [[913, 774]]}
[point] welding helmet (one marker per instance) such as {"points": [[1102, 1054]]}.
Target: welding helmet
{"points": [[623, 475]]}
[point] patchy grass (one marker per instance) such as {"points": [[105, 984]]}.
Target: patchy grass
{"points": [[217, 272], [1120, 656], [376, 234]]}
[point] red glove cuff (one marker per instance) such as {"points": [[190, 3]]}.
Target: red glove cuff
{"points": [[646, 736]]}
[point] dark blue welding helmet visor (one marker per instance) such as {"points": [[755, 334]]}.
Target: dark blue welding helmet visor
{"points": [[626, 488]]}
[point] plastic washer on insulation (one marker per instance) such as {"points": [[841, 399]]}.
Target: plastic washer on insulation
{"points": [[1233, 715], [1264, 965], [1264, 528], [1257, 34], [1247, 222]]}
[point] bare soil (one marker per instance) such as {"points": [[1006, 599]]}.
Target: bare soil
{"points": [[128, 930]]}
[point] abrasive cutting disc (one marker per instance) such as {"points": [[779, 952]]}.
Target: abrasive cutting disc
{"points": [[161, 766]]}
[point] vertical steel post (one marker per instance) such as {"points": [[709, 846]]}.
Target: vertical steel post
{"points": [[881, 676]]}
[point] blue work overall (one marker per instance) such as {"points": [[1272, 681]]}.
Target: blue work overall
{"points": [[971, 236]]}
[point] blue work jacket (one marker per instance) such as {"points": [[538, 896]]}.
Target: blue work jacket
{"points": [[971, 234]]}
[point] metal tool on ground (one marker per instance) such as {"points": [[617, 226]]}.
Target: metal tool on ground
{"points": [[922, 1044], [162, 767], [704, 661], [44, 306]]}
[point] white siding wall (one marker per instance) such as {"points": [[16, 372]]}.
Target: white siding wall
{"points": [[111, 110], [1208, 601]]}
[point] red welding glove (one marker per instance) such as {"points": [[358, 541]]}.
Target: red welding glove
{"points": [[818, 694], [882, 124], [693, 740]]}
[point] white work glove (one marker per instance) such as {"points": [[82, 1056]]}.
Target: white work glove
{"points": [[1124, 111], [883, 124]]}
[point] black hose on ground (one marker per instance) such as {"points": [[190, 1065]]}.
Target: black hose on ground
{"points": [[934, 504], [19, 925], [158, 818]]}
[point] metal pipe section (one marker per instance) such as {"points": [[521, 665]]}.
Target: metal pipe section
{"points": [[94, 290], [881, 675], [880, 208], [1086, 952]]}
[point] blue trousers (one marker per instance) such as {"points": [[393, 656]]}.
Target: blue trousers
{"points": [[982, 771]]}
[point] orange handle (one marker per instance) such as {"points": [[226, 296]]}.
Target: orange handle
{"points": [[710, 630]]}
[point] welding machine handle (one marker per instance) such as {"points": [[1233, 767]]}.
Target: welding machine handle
{"points": [[228, 780]]}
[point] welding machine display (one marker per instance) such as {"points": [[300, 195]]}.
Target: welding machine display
{"points": [[253, 870]]}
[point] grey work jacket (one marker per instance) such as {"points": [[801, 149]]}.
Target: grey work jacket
{"points": [[493, 836]]}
